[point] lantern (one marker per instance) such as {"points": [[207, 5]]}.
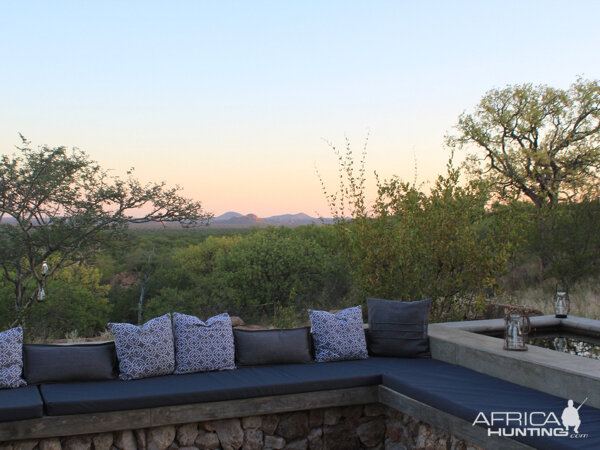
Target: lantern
{"points": [[516, 327], [561, 304]]}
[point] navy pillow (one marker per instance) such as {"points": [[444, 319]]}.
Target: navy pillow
{"points": [[398, 328], [74, 362], [289, 346]]}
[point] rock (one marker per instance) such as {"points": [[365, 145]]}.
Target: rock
{"points": [[253, 439], [186, 434], [51, 444], [77, 443], [230, 433], [173, 446], [102, 441], [352, 412], [207, 440], [189, 448], [293, 425], [24, 445], [252, 422], [315, 418], [7, 446], [395, 431], [332, 416], [300, 444], [375, 409], [371, 433], [125, 440], [389, 445], [275, 442], [160, 438], [315, 441], [339, 437], [236, 321], [269, 423], [140, 437]]}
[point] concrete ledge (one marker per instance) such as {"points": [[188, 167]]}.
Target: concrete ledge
{"points": [[447, 422], [561, 374], [73, 425]]}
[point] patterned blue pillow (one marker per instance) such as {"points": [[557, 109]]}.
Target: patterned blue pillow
{"points": [[203, 346], [11, 358], [339, 336], [144, 351]]}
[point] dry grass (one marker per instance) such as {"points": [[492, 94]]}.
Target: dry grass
{"points": [[584, 296]]}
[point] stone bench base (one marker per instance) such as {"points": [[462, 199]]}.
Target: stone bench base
{"points": [[366, 417]]}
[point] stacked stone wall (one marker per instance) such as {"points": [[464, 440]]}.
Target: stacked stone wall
{"points": [[372, 426]]}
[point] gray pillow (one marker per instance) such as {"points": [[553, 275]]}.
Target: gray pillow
{"points": [[291, 346], [11, 358], [74, 362], [146, 350], [203, 346], [339, 336], [398, 328]]}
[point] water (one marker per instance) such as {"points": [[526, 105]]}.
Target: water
{"points": [[575, 345]]}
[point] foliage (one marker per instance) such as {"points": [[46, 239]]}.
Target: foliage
{"points": [[77, 304], [443, 244], [58, 204], [536, 142], [275, 273]]}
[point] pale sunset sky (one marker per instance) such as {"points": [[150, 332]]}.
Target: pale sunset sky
{"points": [[234, 100]]}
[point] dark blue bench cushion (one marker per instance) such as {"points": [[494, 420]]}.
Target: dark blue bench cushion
{"points": [[20, 403], [246, 382], [464, 393]]}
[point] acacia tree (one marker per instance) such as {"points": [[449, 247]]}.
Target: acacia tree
{"points": [[58, 205], [536, 141]]}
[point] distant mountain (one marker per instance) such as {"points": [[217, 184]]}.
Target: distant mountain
{"points": [[237, 220], [228, 215], [291, 220]]}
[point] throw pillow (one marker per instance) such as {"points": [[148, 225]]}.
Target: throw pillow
{"points": [[203, 346], [11, 358], [74, 362], [291, 346], [339, 336], [398, 328], [146, 350]]}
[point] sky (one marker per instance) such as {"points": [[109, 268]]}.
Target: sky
{"points": [[236, 101]]}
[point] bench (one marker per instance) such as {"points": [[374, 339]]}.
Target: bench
{"points": [[448, 395]]}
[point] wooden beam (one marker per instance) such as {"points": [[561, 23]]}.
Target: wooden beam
{"points": [[71, 425]]}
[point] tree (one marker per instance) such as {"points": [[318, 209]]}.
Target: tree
{"points": [[59, 206], [536, 142]]}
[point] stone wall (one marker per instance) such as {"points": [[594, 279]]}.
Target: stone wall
{"points": [[372, 426]]}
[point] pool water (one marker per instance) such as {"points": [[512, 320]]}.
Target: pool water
{"points": [[575, 345]]}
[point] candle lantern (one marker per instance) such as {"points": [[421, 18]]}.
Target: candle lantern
{"points": [[516, 327], [561, 304]]}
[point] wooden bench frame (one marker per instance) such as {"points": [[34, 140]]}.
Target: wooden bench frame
{"points": [[78, 424]]}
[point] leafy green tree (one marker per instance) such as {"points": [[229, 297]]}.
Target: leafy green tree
{"points": [[536, 142], [60, 205], [78, 306], [413, 244], [274, 273]]}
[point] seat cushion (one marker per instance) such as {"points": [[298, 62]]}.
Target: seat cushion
{"points": [[465, 393], [289, 346], [245, 382], [20, 403], [73, 362]]}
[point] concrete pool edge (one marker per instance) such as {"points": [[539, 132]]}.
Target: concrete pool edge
{"points": [[564, 375]]}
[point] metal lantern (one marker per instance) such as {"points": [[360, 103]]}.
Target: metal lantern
{"points": [[561, 304], [41, 294], [45, 268], [516, 327]]}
